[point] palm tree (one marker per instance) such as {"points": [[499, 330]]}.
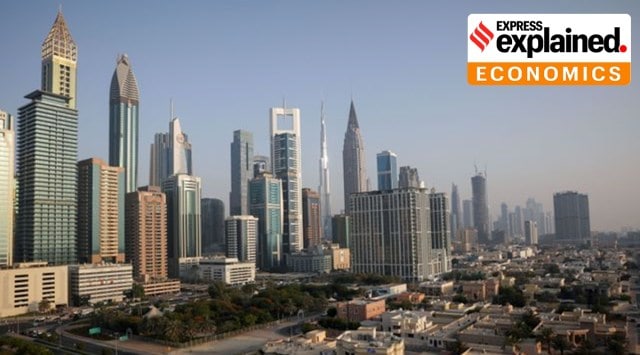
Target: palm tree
{"points": [[560, 343], [546, 336]]}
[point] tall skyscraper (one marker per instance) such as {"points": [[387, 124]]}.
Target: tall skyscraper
{"points": [[387, 163], [241, 172], [213, 238], [183, 219], [530, 232], [504, 219], [100, 212], [287, 166], [341, 230], [170, 154], [261, 165], [159, 161], [265, 203], [440, 249], [324, 187], [382, 242], [241, 233], [480, 207], [146, 231], [47, 156], [312, 232], [354, 162], [467, 214], [572, 223], [409, 177], [123, 122], [456, 212], [7, 187], [59, 61]]}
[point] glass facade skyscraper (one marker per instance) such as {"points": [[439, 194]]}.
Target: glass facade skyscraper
{"points": [[480, 207], [265, 203], [572, 222], [387, 163], [212, 210], [123, 122], [241, 172], [354, 162]]}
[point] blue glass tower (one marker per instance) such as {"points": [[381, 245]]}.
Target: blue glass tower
{"points": [[387, 163]]}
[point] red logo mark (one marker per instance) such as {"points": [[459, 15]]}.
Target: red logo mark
{"points": [[481, 36]]}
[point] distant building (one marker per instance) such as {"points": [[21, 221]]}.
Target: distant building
{"points": [[286, 161], [480, 207], [101, 212], [146, 231], [382, 243], [213, 214], [368, 341], [324, 187], [241, 172], [170, 154], [572, 223], [95, 283], [466, 240], [228, 270], [440, 258], [354, 163], [242, 234], [309, 261], [265, 203], [456, 211], [311, 222], [409, 177], [360, 310], [340, 228], [467, 214], [340, 257], [27, 284], [261, 165], [530, 232], [183, 219], [7, 189], [387, 163]]}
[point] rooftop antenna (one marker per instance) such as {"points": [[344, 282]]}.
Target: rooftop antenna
{"points": [[485, 170], [171, 108], [475, 165], [60, 8]]}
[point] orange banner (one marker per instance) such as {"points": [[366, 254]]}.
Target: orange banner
{"points": [[542, 73]]}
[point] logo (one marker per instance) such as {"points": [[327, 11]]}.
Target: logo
{"points": [[481, 36], [549, 49]]}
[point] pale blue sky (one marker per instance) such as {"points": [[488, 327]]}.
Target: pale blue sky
{"points": [[226, 62]]}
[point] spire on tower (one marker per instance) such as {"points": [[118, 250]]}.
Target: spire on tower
{"points": [[59, 41]]}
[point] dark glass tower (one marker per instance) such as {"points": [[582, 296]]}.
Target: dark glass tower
{"points": [[241, 172], [480, 207]]}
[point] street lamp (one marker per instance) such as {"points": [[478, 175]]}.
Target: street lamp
{"points": [[115, 335]]}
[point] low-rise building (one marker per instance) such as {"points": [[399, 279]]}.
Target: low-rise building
{"points": [[156, 287], [95, 283], [26, 285], [228, 270], [340, 257], [360, 310], [311, 343], [437, 288], [314, 260], [367, 341]]}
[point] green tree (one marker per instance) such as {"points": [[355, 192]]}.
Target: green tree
{"points": [[545, 336], [332, 312], [44, 305], [587, 347], [137, 291], [616, 344], [457, 347]]}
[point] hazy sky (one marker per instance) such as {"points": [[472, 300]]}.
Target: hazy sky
{"points": [[225, 63]]}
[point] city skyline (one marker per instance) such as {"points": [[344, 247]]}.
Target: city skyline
{"points": [[423, 87]]}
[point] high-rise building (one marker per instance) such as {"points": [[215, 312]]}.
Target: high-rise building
{"points": [[324, 188], [480, 207], [241, 172], [170, 154], [504, 219], [241, 233], [183, 219], [47, 157], [146, 231], [265, 203], [287, 166], [572, 224], [382, 242], [440, 249], [409, 177], [7, 187], [213, 238], [467, 214], [123, 122], [456, 211], [100, 212], [312, 232], [59, 61], [530, 232], [159, 161], [354, 162], [261, 165], [340, 228], [387, 164], [518, 226]]}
